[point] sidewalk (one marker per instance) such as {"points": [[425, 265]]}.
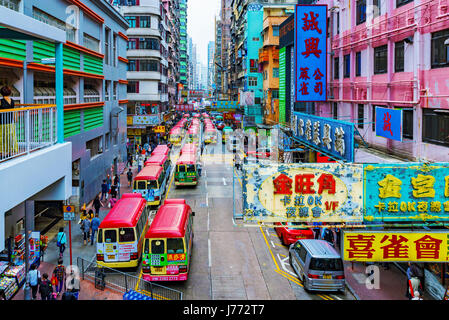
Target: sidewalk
{"points": [[88, 252], [392, 283]]}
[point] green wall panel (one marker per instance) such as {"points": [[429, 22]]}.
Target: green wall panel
{"points": [[72, 123], [13, 49], [44, 50], [282, 85], [93, 118], [93, 64]]}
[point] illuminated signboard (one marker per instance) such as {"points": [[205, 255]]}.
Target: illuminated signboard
{"points": [[305, 192], [311, 52], [150, 120], [390, 246], [406, 192]]}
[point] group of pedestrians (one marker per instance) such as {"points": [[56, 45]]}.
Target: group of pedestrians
{"points": [[51, 289], [109, 188], [89, 226]]}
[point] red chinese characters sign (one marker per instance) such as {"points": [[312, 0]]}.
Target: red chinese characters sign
{"points": [[311, 52], [389, 246]]}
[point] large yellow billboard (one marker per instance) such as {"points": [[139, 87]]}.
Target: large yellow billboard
{"points": [[390, 246]]}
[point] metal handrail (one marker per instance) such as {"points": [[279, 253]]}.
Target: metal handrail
{"points": [[29, 106]]}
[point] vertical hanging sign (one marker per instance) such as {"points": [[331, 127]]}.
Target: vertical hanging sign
{"points": [[311, 53]]}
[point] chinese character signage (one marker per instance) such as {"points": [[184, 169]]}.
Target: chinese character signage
{"points": [[225, 105], [184, 107], [389, 246], [311, 52], [328, 136], [149, 120], [406, 192], [389, 123], [309, 192]]}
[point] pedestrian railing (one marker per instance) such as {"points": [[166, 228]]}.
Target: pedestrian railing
{"points": [[122, 282], [26, 129]]}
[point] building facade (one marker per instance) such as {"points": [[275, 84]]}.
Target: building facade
{"points": [[184, 58], [210, 66], [394, 56], [91, 102]]}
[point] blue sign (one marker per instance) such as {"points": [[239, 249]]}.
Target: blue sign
{"points": [[389, 123], [231, 105], [331, 137], [311, 53]]}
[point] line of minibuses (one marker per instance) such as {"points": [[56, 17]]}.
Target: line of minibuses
{"points": [[164, 241], [210, 131], [186, 171], [178, 131]]}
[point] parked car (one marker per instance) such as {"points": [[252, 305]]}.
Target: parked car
{"points": [[260, 153], [289, 236], [318, 265]]}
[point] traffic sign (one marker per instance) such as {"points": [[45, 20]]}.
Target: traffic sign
{"points": [[69, 213]]}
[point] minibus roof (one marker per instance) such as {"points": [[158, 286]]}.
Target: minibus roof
{"points": [[169, 221], [125, 213], [158, 159], [187, 158], [151, 172], [161, 149]]}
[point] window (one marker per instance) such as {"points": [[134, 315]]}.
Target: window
{"points": [[115, 91], [358, 64], [336, 68], [253, 65], [360, 11], [338, 22], [399, 56], [95, 146], [149, 44], [436, 127], [347, 65], [132, 44], [132, 65], [91, 43], [275, 94], [114, 50], [110, 236], [322, 264], [157, 247], [402, 2], [149, 65], [377, 8], [407, 124], [374, 118], [133, 87], [175, 245], [275, 72], [126, 235], [252, 81], [131, 21], [145, 22], [107, 36], [440, 52], [335, 110], [380, 59], [275, 31], [361, 116], [191, 168]]}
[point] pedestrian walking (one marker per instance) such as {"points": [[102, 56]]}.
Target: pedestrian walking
{"points": [[59, 276], [117, 183], [86, 229], [45, 287], [114, 189], [129, 175], [34, 278], [104, 190], [94, 225], [140, 164], [414, 288], [97, 204], [72, 286], [61, 240]]}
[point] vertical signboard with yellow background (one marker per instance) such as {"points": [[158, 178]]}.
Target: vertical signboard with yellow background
{"points": [[390, 246], [406, 192], [306, 192]]}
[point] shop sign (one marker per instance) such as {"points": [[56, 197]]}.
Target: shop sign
{"points": [[148, 120], [184, 107], [225, 105], [406, 192], [389, 123], [303, 192], [391, 246], [328, 136], [311, 52], [159, 129]]}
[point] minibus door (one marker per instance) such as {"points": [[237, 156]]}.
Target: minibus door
{"points": [[110, 245]]}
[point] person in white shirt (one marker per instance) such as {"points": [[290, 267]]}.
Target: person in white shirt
{"points": [[33, 280]]}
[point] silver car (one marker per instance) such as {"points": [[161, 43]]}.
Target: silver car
{"points": [[318, 265]]}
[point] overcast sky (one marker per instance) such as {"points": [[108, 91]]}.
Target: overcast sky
{"points": [[200, 24]]}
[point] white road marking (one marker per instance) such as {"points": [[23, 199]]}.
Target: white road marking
{"points": [[209, 252], [224, 181], [207, 199], [272, 244], [266, 230], [284, 263], [334, 296]]}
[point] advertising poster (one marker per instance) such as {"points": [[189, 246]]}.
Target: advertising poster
{"points": [[394, 246], [389, 123], [148, 120], [305, 192], [406, 192]]}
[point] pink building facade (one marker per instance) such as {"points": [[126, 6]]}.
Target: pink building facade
{"points": [[396, 56]]}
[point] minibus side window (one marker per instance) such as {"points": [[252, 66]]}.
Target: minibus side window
{"points": [[141, 185], [152, 184], [126, 235], [110, 236]]}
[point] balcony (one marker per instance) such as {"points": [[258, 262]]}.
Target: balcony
{"points": [[11, 4], [26, 130], [263, 56]]}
